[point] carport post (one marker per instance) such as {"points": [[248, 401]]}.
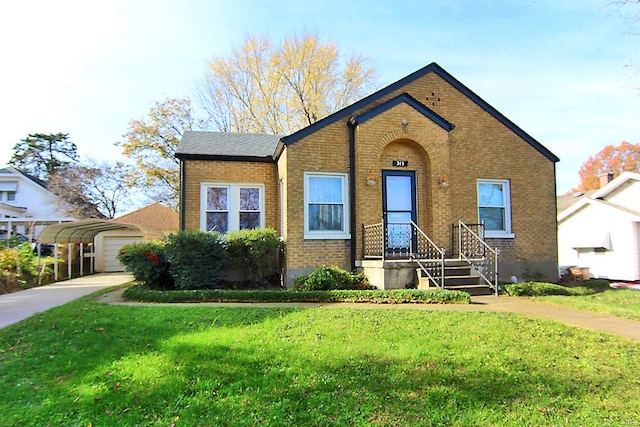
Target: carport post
{"points": [[69, 260], [81, 259], [93, 258], [55, 261]]}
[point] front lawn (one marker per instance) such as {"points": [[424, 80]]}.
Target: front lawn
{"points": [[88, 363], [615, 302]]}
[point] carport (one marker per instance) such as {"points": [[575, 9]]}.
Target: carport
{"points": [[83, 233]]}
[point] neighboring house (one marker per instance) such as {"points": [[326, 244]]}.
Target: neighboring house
{"points": [[602, 231], [26, 199], [384, 183], [23, 195]]}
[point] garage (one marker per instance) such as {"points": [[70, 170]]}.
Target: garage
{"points": [[100, 240], [110, 247]]}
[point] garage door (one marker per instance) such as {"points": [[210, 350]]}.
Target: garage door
{"points": [[111, 247]]}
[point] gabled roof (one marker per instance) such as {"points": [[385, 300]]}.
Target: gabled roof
{"points": [[408, 99], [153, 216], [15, 171], [633, 214], [227, 146], [598, 197], [566, 200], [623, 178], [431, 68]]}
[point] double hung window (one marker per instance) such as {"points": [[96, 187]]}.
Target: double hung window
{"points": [[227, 207], [494, 207], [325, 206]]}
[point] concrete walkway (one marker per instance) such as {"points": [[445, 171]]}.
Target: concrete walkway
{"points": [[17, 306]]}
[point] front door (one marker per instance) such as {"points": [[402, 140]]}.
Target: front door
{"points": [[399, 209]]}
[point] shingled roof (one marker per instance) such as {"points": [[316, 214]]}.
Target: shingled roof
{"points": [[227, 146], [153, 216]]}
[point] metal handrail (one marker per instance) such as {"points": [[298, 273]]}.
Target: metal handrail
{"points": [[479, 266], [433, 248], [422, 250]]}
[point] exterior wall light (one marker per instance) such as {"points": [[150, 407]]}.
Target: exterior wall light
{"points": [[443, 181], [371, 179]]}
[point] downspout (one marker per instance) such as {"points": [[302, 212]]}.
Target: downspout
{"points": [[183, 169], [352, 123]]}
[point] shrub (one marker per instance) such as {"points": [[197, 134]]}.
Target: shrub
{"points": [[330, 278], [535, 289], [529, 289], [147, 262], [255, 250], [19, 268], [196, 258]]}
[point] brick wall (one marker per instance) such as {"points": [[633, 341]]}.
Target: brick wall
{"points": [[479, 147], [198, 171]]}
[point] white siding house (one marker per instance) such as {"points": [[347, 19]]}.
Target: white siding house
{"points": [[602, 231], [25, 198]]}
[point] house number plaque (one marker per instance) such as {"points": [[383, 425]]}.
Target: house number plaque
{"points": [[400, 163]]}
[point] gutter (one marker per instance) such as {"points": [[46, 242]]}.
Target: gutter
{"points": [[352, 123], [183, 179]]}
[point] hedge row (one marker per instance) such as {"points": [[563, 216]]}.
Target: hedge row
{"points": [[531, 289], [199, 260], [395, 296]]}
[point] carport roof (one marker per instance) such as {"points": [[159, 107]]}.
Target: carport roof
{"points": [[85, 230]]}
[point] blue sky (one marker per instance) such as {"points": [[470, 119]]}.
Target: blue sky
{"points": [[567, 72]]}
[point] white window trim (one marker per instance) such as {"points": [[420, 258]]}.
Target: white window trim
{"points": [[498, 234], [233, 203], [327, 235]]}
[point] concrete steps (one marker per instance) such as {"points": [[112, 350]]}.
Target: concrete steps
{"points": [[458, 276]]}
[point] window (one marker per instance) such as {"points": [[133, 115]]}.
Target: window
{"points": [[226, 207], [494, 207], [325, 206]]}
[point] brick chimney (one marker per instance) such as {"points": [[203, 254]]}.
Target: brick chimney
{"points": [[605, 178]]}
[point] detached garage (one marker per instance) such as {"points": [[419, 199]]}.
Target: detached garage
{"points": [[101, 240], [108, 244]]}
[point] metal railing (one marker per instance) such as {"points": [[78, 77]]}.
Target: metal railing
{"points": [[404, 240], [478, 254], [373, 241]]}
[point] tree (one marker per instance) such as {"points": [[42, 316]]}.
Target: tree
{"points": [[93, 190], [624, 157], [42, 154], [279, 89], [152, 143]]}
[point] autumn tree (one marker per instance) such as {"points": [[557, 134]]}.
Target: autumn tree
{"points": [[262, 87], [93, 190], [42, 154], [152, 142], [624, 157]]}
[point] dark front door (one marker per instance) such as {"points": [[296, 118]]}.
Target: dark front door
{"points": [[399, 209]]}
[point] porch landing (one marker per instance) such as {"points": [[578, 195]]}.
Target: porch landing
{"points": [[406, 274]]}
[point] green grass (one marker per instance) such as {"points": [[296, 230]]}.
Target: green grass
{"points": [[615, 302], [88, 363]]}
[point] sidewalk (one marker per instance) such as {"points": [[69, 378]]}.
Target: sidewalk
{"points": [[20, 305]]}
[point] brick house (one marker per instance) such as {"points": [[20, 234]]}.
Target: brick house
{"points": [[406, 180]]}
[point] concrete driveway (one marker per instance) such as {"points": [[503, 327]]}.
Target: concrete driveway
{"points": [[17, 306]]}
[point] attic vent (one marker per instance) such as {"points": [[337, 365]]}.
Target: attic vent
{"points": [[433, 100]]}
